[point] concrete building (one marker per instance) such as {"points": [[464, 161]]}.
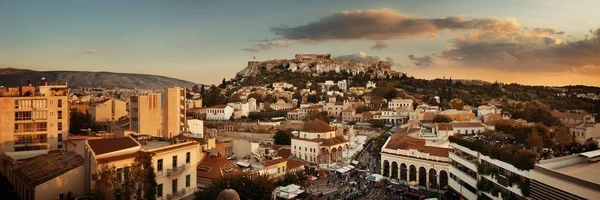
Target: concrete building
{"points": [[219, 113], [396, 104], [484, 110], [174, 161], [568, 118], [159, 114], [569, 177], [585, 131], [320, 143], [273, 168], [108, 110], [33, 118], [242, 148], [498, 179], [44, 174], [243, 107], [459, 115], [282, 86], [407, 158], [196, 128]]}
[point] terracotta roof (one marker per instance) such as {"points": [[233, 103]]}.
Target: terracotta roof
{"points": [[317, 126], [107, 145], [45, 167], [219, 106], [402, 141], [558, 114], [284, 153], [444, 126], [428, 116], [350, 109], [468, 124], [214, 168], [274, 162], [293, 164], [326, 142]]}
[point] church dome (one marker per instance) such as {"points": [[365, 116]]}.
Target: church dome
{"points": [[228, 194]]}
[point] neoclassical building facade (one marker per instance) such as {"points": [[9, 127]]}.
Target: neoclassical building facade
{"points": [[411, 159], [320, 143]]}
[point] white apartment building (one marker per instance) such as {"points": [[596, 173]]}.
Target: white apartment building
{"points": [[320, 143], [174, 162], [467, 128], [484, 110], [108, 110], [585, 131], [33, 118], [244, 108], [396, 104], [159, 114], [219, 113], [282, 86], [343, 85], [568, 177], [391, 116], [370, 85], [196, 128], [469, 168]]}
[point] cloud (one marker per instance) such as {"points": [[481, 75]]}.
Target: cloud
{"points": [[538, 50], [360, 56], [250, 50], [384, 25], [91, 51], [424, 61], [379, 45]]}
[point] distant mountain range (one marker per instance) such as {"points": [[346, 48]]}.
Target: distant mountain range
{"points": [[77, 79]]}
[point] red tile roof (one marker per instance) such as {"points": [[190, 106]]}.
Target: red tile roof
{"points": [[107, 145], [401, 141], [293, 164], [214, 168], [317, 126], [274, 162], [284, 153]]}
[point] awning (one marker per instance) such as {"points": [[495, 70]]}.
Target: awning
{"points": [[354, 162], [350, 166]]}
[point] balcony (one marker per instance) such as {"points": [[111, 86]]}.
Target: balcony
{"points": [[177, 170], [177, 195], [463, 161], [464, 192], [37, 141]]}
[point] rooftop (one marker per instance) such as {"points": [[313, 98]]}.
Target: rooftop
{"points": [[106, 145], [213, 168], [577, 169], [317, 126], [403, 141], [41, 168]]}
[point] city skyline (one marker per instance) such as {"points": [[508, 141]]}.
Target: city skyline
{"points": [[528, 42]]}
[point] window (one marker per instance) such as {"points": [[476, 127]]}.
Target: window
{"points": [[60, 126], [60, 137], [175, 161], [120, 175], [187, 181], [159, 191], [278, 170], [187, 157], [159, 166], [60, 103], [60, 114], [174, 186]]}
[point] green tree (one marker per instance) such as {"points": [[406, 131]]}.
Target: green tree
{"points": [[535, 140], [78, 121], [313, 98], [143, 175], [213, 97], [562, 136], [298, 177], [106, 183], [439, 118], [313, 115], [235, 98], [283, 137], [377, 123]]}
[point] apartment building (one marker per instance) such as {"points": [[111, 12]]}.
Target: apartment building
{"points": [[475, 175], [159, 114], [108, 110], [44, 174], [568, 177], [174, 161], [219, 112], [33, 118], [395, 104]]}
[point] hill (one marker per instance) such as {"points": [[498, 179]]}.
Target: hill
{"points": [[77, 79]]}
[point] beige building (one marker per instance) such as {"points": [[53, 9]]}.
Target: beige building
{"points": [[569, 177], [44, 174], [174, 161], [33, 118], [320, 143], [159, 114], [108, 110]]}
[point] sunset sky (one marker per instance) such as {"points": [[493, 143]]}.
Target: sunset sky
{"points": [[541, 42]]}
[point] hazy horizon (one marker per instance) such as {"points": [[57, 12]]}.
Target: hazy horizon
{"points": [[529, 42]]}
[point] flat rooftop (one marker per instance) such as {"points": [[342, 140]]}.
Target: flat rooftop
{"points": [[589, 171], [153, 144]]}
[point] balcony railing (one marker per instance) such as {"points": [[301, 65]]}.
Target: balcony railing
{"points": [[177, 195], [177, 170], [31, 141]]}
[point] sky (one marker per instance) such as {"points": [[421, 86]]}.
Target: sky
{"points": [[538, 42]]}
